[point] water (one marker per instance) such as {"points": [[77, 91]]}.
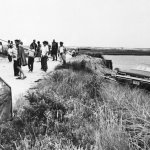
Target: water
{"points": [[126, 61]]}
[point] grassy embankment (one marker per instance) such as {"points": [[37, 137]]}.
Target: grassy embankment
{"points": [[75, 108]]}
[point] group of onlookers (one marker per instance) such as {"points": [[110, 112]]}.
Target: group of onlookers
{"points": [[16, 52], [43, 51]]}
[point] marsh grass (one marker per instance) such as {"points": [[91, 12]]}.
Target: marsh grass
{"points": [[77, 109]]}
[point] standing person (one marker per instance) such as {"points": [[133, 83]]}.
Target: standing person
{"points": [[62, 51], [1, 47], [8, 43], [23, 56], [14, 56], [44, 57], [39, 50], [31, 59], [34, 45], [10, 53], [54, 50], [11, 43], [21, 61], [49, 47]]}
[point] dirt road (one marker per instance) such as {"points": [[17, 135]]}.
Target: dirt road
{"points": [[21, 86]]}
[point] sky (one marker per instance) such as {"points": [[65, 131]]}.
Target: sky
{"points": [[97, 23]]}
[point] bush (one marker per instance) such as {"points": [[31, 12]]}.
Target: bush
{"points": [[73, 108]]}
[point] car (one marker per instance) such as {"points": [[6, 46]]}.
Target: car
{"points": [[136, 77]]}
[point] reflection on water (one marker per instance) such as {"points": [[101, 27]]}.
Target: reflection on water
{"points": [[127, 62]]}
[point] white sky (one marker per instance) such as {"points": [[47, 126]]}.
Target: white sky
{"points": [[109, 23]]}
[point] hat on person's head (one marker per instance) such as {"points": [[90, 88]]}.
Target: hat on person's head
{"points": [[17, 40], [45, 42]]}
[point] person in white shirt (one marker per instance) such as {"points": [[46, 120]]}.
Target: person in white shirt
{"points": [[62, 51], [44, 56], [10, 53], [14, 56], [31, 58]]}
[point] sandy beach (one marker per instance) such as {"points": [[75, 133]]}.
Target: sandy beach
{"points": [[18, 86]]}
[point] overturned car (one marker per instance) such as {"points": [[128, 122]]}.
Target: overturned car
{"points": [[136, 77]]}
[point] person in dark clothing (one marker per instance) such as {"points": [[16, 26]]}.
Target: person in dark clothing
{"points": [[10, 53], [34, 46], [54, 50], [16, 70], [20, 60], [16, 63], [49, 47], [39, 50], [8, 43]]}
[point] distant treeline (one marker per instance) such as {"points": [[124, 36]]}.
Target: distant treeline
{"points": [[114, 51]]}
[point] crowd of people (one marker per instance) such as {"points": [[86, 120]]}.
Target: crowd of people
{"points": [[17, 53]]}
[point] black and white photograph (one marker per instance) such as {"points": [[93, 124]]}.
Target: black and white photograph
{"points": [[75, 75]]}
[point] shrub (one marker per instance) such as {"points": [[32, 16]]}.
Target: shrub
{"points": [[73, 108]]}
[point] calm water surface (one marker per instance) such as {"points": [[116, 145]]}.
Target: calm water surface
{"points": [[126, 61]]}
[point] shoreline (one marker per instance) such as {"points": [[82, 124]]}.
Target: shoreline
{"points": [[115, 52]]}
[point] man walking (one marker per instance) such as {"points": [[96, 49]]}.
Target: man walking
{"points": [[54, 50]]}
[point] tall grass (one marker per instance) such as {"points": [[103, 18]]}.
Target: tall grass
{"points": [[74, 108]]}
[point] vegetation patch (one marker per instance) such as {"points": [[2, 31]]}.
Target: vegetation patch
{"points": [[76, 108]]}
